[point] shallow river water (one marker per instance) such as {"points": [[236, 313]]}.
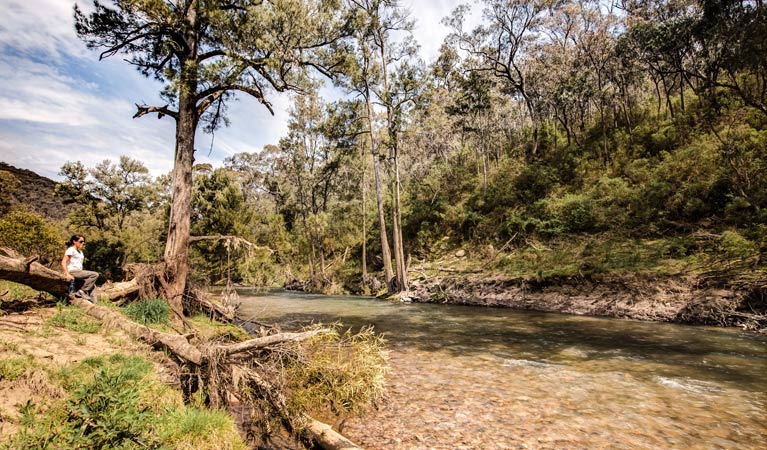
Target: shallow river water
{"points": [[480, 378]]}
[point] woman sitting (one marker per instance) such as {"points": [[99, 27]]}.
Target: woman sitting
{"points": [[72, 263]]}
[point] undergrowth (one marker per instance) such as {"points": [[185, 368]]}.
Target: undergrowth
{"points": [[116, 402]]}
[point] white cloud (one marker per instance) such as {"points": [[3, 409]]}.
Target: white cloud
{"points": [[60, 104], [39, 25]]}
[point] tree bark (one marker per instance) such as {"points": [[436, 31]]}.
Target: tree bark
{"points": [[385, 249]]}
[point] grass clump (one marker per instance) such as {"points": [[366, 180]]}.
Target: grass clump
{"points": [[117, 402], [74, 319], [343, 371], [150, 311], [200, 429], [11, 369]]}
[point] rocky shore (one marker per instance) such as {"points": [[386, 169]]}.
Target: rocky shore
{"points": [[665, 299]]}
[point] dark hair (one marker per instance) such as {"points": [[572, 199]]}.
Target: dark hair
{"points": [[74, 239]]}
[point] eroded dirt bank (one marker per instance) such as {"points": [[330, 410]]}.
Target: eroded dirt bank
{"points": [[665, 299]]}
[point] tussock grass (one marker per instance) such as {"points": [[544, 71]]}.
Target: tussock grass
{"points": [[344, 371], [117, 402], [11, 369], [149, 311]]}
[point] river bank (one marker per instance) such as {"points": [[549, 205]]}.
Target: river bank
{"points": [[684, 300]]}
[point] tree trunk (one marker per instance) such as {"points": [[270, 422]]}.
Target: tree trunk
{"points": [[385, 249], [399, 251], [177, 246]]}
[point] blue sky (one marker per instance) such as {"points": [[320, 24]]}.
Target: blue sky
{"points": [[59, 103]]}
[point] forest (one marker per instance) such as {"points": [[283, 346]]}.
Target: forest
{"points": [[587, 137], [550, 143]]}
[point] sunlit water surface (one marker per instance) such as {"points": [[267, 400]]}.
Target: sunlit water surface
{"points": [[479, 378]]}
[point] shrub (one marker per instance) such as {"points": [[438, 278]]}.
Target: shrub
{"points": [[153, 310], [30, 234], [733, 245], [574, 211]]}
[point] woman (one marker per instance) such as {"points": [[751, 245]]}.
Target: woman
{"points": [[72, 263]]}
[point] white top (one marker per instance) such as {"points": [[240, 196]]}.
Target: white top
{"points": [[75, 259]]}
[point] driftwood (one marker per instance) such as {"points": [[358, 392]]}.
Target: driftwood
{"points": [[215, 356]]}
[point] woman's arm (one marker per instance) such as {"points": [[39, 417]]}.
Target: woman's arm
{"points": [[64, 264]]}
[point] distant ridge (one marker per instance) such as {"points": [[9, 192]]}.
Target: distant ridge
{"points": [[36, 192]]}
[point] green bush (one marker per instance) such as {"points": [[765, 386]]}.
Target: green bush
{"points": [[733, 245], [30, 234], [115, 402], [574, 211], [153, 310], [105, 409], [106, 258]]}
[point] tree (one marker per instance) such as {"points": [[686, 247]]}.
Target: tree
{"points": [[503, 47], [206, 52], [108, 192], [380, 76], [218, 208]]}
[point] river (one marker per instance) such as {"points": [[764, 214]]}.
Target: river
{"points": [[485, 378]]}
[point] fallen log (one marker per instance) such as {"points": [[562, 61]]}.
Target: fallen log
{"points": [[179, 345], [33, 274], [27, 271]]}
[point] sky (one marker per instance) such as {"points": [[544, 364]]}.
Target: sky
{"points": [[59, 103]]}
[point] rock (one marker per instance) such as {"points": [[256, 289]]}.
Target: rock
{"points": [[460, 253]]}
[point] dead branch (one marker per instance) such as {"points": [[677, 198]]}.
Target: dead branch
{"points": [[440, 269], [267, 341]]}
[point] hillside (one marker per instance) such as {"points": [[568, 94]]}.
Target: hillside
{"points": [[36, 193]]}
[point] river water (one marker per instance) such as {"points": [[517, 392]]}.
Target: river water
{"points": [[480, 378]]}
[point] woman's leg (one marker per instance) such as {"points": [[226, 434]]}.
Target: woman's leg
{"points": [[89, 279]]}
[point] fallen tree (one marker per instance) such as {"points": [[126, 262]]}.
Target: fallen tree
{"points": [[229, 372], [146, 282]]}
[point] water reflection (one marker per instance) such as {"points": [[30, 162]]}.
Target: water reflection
{"points": [[510, 379]]}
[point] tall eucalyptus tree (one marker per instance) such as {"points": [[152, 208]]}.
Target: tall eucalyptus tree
{"points": [[206, 51]]}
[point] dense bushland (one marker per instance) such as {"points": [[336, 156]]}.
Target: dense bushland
{"points": [[624, 138]]}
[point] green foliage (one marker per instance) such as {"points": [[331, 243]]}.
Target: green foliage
{"points": [[74, 319], [30, 234], [150, 311], [105, 409], [116, 402], [12, 369], [107, 193], [107, 258], [734, 245]]}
